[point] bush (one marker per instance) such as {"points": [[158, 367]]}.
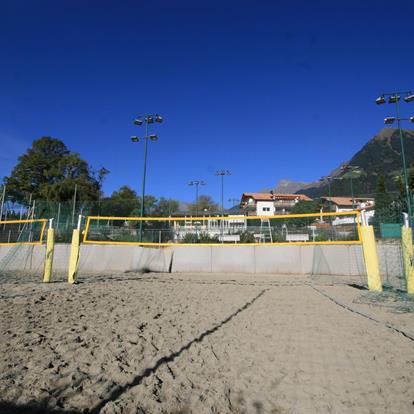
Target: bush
{"points": [[246, 237], [193, 238]]}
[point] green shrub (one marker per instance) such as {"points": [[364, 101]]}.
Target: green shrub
{"points": [[246, 237]]}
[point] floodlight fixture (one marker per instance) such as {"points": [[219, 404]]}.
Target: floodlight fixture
{"points": [[149, 119], [158, 118], [394, 98], [153, 137], [222, 172], [411, 119], [138, 121], [409, 97], [197, 182], [380, 100], [389, 120], [135, 139]]}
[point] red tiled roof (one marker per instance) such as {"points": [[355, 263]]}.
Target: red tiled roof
{"points": [[340, 201], [270, 197], [346, 201]]}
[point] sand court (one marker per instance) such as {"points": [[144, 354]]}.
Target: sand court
{"points": [[175, 343]]}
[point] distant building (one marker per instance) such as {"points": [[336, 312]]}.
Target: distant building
{"points": [[226, 225], [270, 204], [338, 204], [344, 204]]}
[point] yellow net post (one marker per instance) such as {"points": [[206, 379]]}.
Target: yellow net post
{"points": [[408, 255], [74, 256], [50, 247], [74, 253], [371, 256]]}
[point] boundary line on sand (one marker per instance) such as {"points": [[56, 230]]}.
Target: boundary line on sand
{"points": [[121, 389], [342, 305]]}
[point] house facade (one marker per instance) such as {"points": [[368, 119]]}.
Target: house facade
{"points": [[270, 204], [344, 204]]}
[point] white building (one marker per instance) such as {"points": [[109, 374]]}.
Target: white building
{"points": [[344, 204], [270, 204]]}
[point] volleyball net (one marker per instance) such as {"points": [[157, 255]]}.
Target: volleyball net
{"points": [[16, 232], [314, 228]]}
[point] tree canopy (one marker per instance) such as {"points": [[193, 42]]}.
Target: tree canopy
{"points": [[205, 203], [50, 171], [387, 209], [126, 203]]}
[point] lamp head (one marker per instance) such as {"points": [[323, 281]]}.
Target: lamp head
{"points": [[409, 97], [158, 118], [394, 98], [149, 119], [380, 100], [138, 121], [135, 139], [153, 137], [389, 120]]}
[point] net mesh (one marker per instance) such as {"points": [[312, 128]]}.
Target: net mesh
{"points": [[21, 253], [307, 228]]}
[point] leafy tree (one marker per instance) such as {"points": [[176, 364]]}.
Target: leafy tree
{"points": [[382, 198], [122, 203], [149, 206], [165, 207], [304, 207], [386, 208], [400, 184], [411, 178], [205, 203], [49, 171]]}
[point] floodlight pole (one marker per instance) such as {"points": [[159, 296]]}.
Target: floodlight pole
{"points": [[329, 193], [351, 169], [2, 202], [352, 191], [407, 190], [394, 97], [233, 201], [222, 173], [196, 183], [139, 121], [143, 179]]}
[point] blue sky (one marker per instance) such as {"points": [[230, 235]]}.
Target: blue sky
{"points": [[265, 89]]}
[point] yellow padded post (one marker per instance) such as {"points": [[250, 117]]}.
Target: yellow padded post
{"points": [[371, 258], [408, 257], [74, 256], [50, 246]]}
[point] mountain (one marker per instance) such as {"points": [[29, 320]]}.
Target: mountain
{"points": [[379, 156], [291, 187]]}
